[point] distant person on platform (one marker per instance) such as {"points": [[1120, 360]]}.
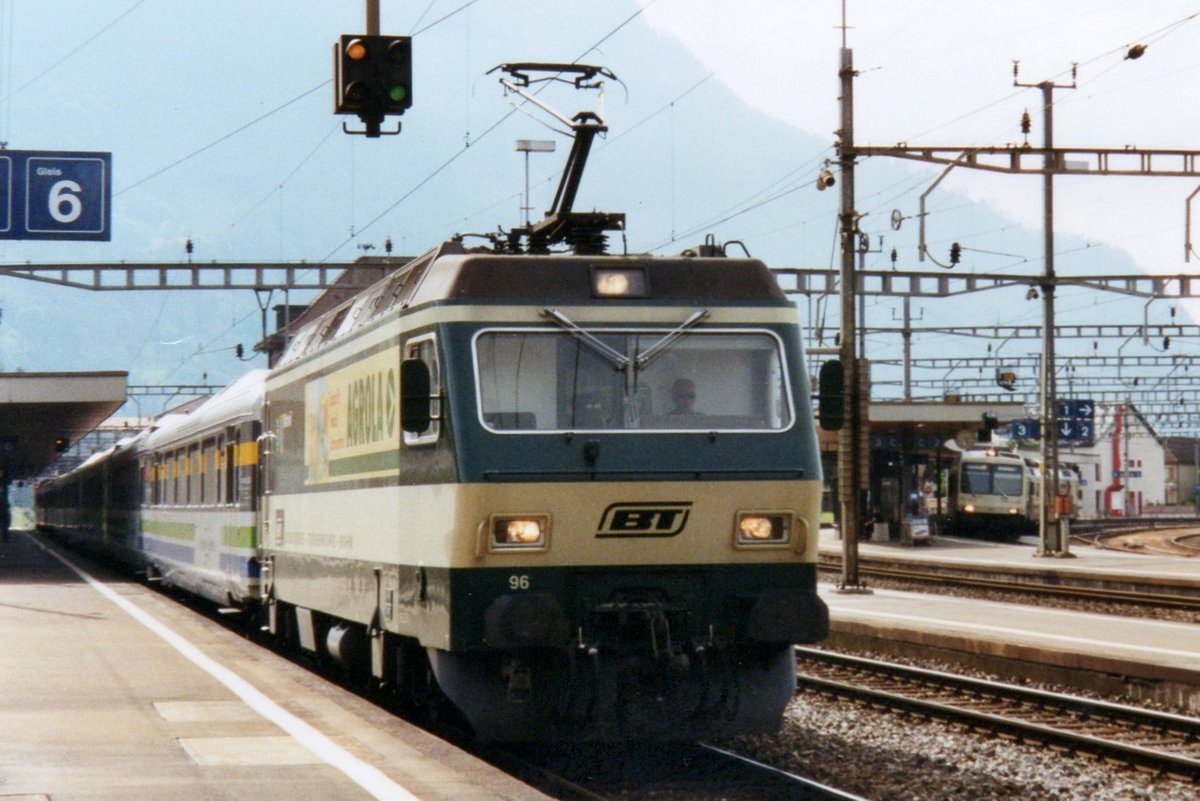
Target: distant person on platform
{"points": [[683, 392]]}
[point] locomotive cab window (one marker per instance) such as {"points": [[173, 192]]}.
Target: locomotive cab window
{"points": [[992, 479], [728, 380]]}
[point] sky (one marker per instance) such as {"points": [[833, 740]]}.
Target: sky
{"points": [[940, 73], [219, 118]]}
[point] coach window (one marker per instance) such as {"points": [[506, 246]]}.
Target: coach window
{"points": [[212, 466], [160, 480], [425, 349], [192, 474], [230, 472], [219, 471], [202, 468]]}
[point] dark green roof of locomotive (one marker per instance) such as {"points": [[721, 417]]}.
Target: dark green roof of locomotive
{"points": [[451, 274]]}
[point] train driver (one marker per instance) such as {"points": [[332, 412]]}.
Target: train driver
{"points": [[683, 392]]}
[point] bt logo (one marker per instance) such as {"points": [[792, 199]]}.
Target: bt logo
{"points": [[651, 519]]}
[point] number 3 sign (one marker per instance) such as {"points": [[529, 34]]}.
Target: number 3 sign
{"points": [[55, 195]]}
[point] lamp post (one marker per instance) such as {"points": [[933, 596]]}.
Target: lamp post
{"points": [[528, 146]]}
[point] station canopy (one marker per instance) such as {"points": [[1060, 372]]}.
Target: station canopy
{"points": [[42, 414]]}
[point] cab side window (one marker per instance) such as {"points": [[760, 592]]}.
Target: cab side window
{"points": [[424, 348]]}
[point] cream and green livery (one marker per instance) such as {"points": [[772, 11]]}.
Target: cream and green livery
{"points": [[483, 479], [177, 501]]}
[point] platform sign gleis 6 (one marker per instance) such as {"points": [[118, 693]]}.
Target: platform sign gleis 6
{"points": [[55, 195]]}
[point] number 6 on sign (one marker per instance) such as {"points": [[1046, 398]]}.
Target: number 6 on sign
{"points": [[65, 207]]}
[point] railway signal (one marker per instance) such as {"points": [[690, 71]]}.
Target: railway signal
{"points": [[372, 78], [831, 409]]}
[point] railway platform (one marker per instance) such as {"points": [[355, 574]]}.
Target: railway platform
{"points": [[1087, 565], [109, 690], [1115, 654]]}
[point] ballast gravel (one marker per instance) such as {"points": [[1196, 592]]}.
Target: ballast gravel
{"points": [[888, 757], [885, 756]]}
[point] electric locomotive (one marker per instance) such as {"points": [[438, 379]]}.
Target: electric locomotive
{"points": [[575, 495], [580, 494]]}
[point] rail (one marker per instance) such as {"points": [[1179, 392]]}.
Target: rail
{"points": [[684, 770], [1128, 735]]}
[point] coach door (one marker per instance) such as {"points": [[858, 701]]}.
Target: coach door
{"points": [[271, 533]]}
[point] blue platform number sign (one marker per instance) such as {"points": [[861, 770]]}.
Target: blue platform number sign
{"points": [[6, 214], [55, 195], [1026, 429]]}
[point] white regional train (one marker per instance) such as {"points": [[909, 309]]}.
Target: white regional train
{"points": [[482, 483], [998, 493]]}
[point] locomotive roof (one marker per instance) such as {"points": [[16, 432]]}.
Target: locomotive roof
{"points": [[992, 453], [451, 274]]}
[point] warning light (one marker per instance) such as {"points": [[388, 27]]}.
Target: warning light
{"points": [[352, 69], [396, 70], [356, 50], [372, 77]]}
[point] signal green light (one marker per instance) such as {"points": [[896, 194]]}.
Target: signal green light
{"points": [[398, 92]]}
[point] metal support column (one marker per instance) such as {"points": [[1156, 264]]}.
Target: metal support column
{"points": [[1050, 537], [851, 449]]}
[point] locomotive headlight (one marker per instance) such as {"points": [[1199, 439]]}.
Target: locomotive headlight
{"points": [[523, 531], [620, 282], [763, 528], [969, 508], [1013, 511]]}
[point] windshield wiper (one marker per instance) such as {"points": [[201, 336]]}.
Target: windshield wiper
{"points": [[618, 359], [668, 339]]}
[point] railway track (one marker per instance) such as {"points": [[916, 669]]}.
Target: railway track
{"points": [[1089, 528], [1183, 541], [1028, 585], [1141, 738], [683, 771]]}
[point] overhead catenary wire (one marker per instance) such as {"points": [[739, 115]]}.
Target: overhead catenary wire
{"points": [[279, 186], [220, 139], [109, 26]]}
